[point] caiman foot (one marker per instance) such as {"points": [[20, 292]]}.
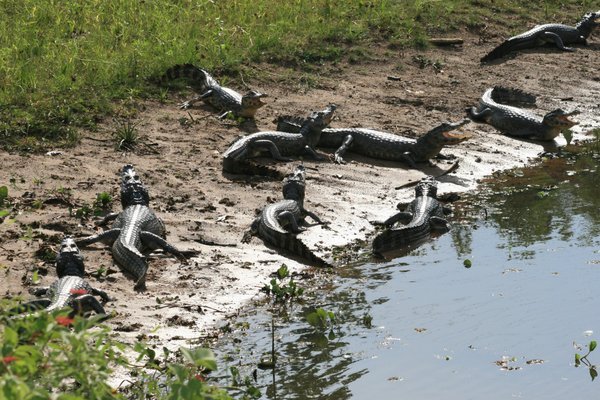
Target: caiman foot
{"points": [[140, 285], [339, 160]]}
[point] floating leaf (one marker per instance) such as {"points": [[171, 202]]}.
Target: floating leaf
{"points": [[593, 372], [577, 359], [467, 263], [592, 345]]}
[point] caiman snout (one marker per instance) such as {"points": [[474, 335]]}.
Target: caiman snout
{"points": [[452, 137], [561, 118], [254, 97]]}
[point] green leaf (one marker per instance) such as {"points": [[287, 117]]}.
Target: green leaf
{"points": [[577, 359], [283, 272], [592, 345], [3, 193], [200, 357], [313, 319], [568, 134], [4, 213], [10, 337], [467, 263], [593, 372]]}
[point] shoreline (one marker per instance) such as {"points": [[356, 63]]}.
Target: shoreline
{"points": [[198, 205]]}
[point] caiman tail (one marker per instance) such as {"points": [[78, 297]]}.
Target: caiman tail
{"points": [[513, 97], [132, 261], [506, 47], [198, 76], [291, 243]]}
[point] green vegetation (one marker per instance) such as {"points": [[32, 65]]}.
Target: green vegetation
{"points": [[583, 360], [126, 136], [3, 202], [64, 65], [52, 356], [281, 292]]}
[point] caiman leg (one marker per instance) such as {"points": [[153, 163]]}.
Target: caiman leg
{"points": [[107, 219], [37, 292], [101, 293], [311, 152], [342, 150], [404, 217], [106, 237], [83, 304], [558, 41], [314, 217], [153, 242], [439, 224], [272, 148], [482, 115], [408, 158], [187, 104], [288, 218]]}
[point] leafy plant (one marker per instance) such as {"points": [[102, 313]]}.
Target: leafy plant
{"points": [[3, 195], [126, 136], [103, 200], [367, 321], [3, 201], [321, 319], [52, 356], [279, 291], [579, 360]]}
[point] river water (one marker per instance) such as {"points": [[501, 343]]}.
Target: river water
{"points": [[426, 326]]}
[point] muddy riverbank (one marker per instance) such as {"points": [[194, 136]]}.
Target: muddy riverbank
{"points": [[179, 158]]}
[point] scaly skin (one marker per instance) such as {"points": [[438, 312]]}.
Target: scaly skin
{"points": [[279, 223], [136, 230], [222, 98], [384, 145], [70, 290], [517, 122], [557, 34], [280, 145], [423, 214]]}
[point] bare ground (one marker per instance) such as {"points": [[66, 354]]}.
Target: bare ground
{"points": [[180, 163]]}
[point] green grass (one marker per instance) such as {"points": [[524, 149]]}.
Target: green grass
{"points": [[64, 63]]}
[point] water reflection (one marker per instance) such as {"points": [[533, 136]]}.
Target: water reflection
{"points": [[440, 329]]}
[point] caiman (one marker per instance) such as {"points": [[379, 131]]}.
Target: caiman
{"points": [[70, 290], [278, 223], [224, 99], [135, 231], [557, 34], [424, 214], [518, 122], [280, 145], [383, 145]]}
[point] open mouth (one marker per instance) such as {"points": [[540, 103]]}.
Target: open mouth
{"points": [[566, 120], [457, 137]]}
